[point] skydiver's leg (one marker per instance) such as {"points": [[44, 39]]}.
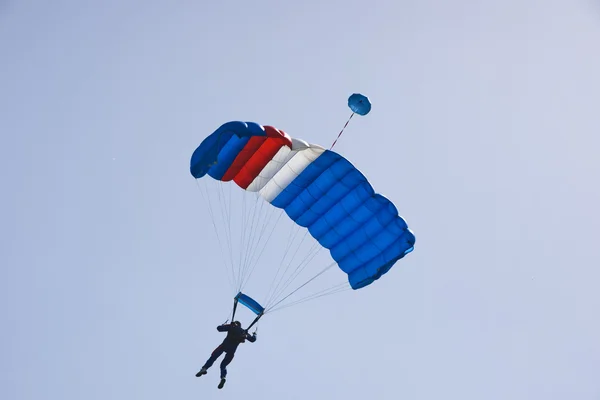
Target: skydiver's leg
{"points": [[226, 360], [213, 357]]}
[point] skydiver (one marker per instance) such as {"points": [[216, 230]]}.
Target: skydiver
{"points": [[235, 336]]}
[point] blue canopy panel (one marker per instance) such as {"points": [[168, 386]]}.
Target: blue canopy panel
{"points": [[205, 156], [250, 303], [362, 229]]}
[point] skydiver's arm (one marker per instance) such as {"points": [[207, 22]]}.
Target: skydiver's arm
{"points": [[224, 328], [251, 338]]}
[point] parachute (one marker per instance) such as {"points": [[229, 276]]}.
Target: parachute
{"points": [[318, 189], [359, 104]]}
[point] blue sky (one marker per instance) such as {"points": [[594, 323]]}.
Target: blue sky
{"points": [[483, 133]]}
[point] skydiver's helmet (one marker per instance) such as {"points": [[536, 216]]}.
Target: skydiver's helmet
{"points": [[237, 323]]}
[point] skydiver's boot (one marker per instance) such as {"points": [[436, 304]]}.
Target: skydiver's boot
{"points": [[222, 383], [201, 372]]}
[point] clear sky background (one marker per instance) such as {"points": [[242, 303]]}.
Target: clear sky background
{"points": [[484, 133]]}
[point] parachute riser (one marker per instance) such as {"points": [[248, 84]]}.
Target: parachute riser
{"points": [[235, 303], [255, 321]]}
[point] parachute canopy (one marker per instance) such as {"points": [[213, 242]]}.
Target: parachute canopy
{"points": [[359, 104], [319, 189]]}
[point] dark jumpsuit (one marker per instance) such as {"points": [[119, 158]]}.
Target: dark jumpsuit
{"points": [[235, 336]]}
